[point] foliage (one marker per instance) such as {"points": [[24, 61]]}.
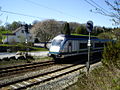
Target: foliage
{"points": [[106, 35], [111, 55], [73, 26], [19, 47], [116, 32], [78, 30], [114, 12], [13, 26], [46, 30], [3, 31], [106, 77], [81, 30], [67, 29], [99, 79]]}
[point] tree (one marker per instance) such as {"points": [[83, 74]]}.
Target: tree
{"points": [[81, 29], [35, 22], [13, 26], [73, 26], [78, 30], [106, 35], [46, 30], [114, 12], [2, 28], [67, 29]]}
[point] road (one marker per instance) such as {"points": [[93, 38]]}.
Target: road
{"points": [[38, 53]]}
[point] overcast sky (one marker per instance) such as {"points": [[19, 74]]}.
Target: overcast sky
{"points": [[60, 10]]}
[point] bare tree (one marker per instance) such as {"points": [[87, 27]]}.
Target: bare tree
{"points": [[46, 30], [114, 11]]}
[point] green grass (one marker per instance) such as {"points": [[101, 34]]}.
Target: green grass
{"points": [[3, 36], [5, 32], [18, 62], [20, 47], [82, 35]]}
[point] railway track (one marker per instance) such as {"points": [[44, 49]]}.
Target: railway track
{"points": [[23, 68], [40, 78]]}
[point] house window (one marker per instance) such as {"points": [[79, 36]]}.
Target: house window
{"points": [[30, 37], [22, 31], [18, 36]]}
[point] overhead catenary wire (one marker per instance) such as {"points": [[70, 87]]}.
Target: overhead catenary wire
{"points": [[55, 10], [21, 14], [91, 4], [98, 7]]}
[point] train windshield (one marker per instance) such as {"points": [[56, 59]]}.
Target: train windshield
{"points": [[56, 42]]}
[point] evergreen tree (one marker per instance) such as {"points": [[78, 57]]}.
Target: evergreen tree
{"points": [[78, 30], [67, 29]]}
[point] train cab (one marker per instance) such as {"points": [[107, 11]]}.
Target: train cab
{"points": [[56, 45]]}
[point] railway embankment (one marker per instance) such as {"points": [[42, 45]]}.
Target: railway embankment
{"points": [[56, 77], [64, 81], [106, 77]]}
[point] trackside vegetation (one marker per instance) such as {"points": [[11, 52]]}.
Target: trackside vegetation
{"points": [[19, 47], [106, 77]]}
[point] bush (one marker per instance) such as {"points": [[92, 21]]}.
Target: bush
{"points": [[99, 79], [111, 55]]}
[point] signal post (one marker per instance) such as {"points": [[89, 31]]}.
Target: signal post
{"points": [[89, 27]]}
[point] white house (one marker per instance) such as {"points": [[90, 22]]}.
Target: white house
{"points": [[20, 35]]}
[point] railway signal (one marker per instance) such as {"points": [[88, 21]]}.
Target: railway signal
{"points": [[89, 27]]}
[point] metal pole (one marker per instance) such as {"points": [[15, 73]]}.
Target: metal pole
{"points": [[88, 62]]}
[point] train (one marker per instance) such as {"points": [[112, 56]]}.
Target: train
{"points": [[63, 46]]}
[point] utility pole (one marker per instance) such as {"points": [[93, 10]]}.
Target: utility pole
{"points": [[89, 27]]}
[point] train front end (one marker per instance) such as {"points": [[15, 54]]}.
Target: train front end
{"points": [[55, 48]]}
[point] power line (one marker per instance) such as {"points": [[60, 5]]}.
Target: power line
{"points": [[91, 4], [21, 14], [55, 10], [99, 6]]}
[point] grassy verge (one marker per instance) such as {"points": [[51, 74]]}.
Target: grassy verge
{"points": [[82, 35], [99, 79], [23, 61], [106, 77], [19, 47]]}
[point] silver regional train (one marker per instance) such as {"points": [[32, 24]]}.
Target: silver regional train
{"points": [[71, 45]]}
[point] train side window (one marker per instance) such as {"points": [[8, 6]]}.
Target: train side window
{"points": [[99, 44], [83, 45], [69, 47]]}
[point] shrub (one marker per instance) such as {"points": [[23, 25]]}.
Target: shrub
{"points": [[111, 55]]}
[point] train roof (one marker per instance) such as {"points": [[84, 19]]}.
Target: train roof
{"points": [[75, 36], [82, 37]]}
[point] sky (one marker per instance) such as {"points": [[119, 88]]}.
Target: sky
{"points": [[61, 10]]}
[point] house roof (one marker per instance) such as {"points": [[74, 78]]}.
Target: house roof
{"points": [[18, 29], [14, 32]]}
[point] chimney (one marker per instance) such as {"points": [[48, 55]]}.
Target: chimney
{"points": [[26, 28]]}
